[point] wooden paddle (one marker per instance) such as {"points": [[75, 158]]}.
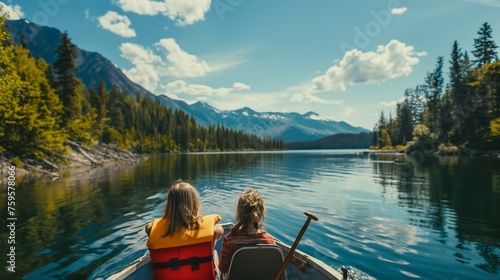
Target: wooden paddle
{"points": [[297, 240]]}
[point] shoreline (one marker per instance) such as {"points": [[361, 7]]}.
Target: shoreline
{"points": [[80, 160], [467, 152]]}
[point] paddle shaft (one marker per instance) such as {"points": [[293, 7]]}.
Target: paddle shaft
{"points": [[294, 246]]}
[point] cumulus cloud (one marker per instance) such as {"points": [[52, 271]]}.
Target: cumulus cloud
{"points": [[14, 11], [116, 23], [356, 67], [166, 60], [149, 67], [179, 87], [145, 63], [180, 63], [398, 11], [184, 12]]}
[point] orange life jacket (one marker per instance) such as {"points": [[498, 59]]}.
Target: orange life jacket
{"points": [[187, 254]]}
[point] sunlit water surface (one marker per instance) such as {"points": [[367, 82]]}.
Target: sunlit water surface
{"points": [[432, 219]]}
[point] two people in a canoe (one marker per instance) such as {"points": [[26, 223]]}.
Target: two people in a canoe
{"points": [[181, 242]]}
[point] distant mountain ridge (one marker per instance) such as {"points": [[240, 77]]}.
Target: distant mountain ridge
{"points": [[290, 127], [92, 66]]}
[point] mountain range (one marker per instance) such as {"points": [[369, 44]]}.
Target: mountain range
{"points": [[92, 67]]}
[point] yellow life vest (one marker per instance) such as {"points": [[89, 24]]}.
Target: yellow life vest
{"points": [[184, 236], [185, 255]]}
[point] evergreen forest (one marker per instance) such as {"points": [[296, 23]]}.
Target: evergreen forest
{"points": [[461, 114], [42, 106]]}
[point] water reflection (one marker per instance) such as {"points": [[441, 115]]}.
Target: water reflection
{"points": [[392, 220], [456, 197], [67, 228]]}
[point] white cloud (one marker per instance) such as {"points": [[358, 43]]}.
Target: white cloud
{"points": [[240, 86], [398, 11], [138, 54], [145, 63], [392, 103], [14, 11], [116, 23], [306, 98], [181, 87], [184, 12], [387, 62], [150, 67], [180, 63]]}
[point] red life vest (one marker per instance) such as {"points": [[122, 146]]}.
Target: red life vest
{"points": [[187, 254]]}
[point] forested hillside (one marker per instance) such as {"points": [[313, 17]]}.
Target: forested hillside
{"points": [[464, 113], [43, 105]]}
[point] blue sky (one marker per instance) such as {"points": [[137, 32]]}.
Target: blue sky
{"points": [[345, 60]]}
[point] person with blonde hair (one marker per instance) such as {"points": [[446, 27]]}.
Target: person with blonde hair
{"points": [[249, 230], [181, 242]]}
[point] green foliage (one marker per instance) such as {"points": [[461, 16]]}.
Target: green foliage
{"points": [[422, 139], [83, 128], [495, 127], [30, 110], [448, 149], [17, 162], [492, 140], [421, 133], [400, 147], [403, 125], [384, 138]]}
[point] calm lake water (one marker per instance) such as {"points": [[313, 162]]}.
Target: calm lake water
{"points": [[432, 219]]}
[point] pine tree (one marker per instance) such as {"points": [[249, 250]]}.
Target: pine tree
{"points": [[415, 102], [116, 109], [404, 122], [456, 73], [67, 85], [487, 90], [453, 106], [22, 42], [434, 89], [484, 46]]}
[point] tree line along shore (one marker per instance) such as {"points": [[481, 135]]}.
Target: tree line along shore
{"points": [[461, 116]]}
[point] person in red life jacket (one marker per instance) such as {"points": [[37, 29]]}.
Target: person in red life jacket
{"points": [[249, 229], [181, 242]]}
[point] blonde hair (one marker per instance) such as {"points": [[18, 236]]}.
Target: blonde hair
{"points": [[250, 209], [182, 209]]}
